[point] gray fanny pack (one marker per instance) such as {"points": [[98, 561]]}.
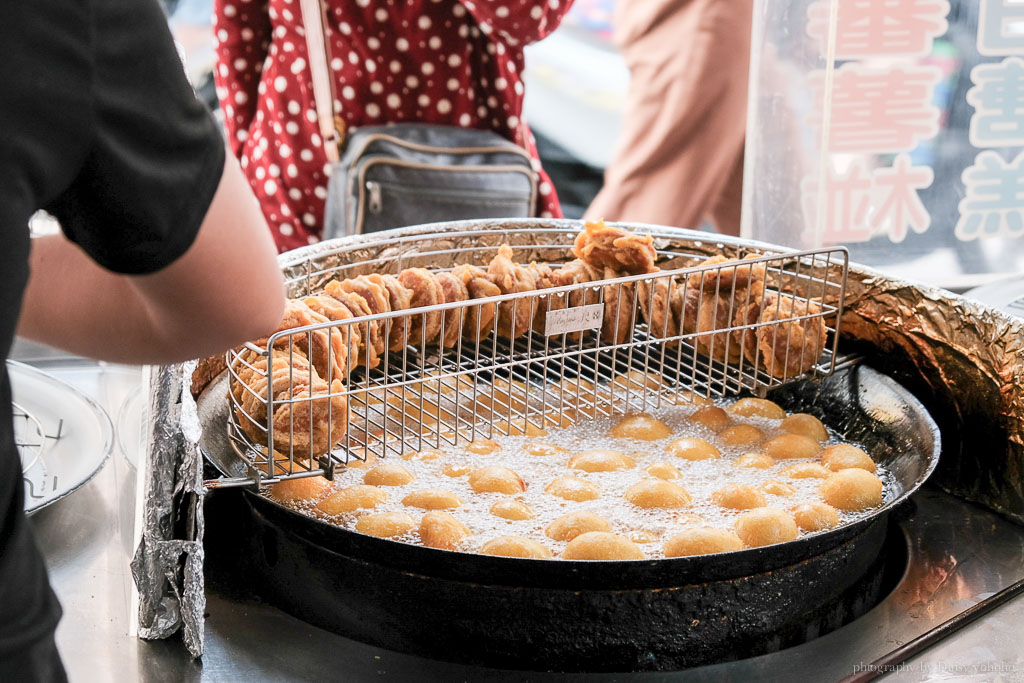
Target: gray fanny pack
{"points": [[407, 174]]}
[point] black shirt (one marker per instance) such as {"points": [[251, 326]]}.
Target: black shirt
{"points": [[99, 126]]}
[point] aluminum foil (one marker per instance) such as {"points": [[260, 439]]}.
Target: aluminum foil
{"points": [[168, 563]]}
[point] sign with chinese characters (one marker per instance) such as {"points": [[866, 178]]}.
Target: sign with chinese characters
{"points": [[894, 127]]}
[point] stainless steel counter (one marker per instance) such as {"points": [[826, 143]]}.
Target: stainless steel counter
{"points": [[959, 554]]}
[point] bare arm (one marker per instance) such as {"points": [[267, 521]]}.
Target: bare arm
{"points": [[224, 290]]}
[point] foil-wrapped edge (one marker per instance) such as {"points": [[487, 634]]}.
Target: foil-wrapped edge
{"points": [[168, 563]]}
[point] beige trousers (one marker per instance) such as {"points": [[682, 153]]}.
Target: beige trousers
{"points": [[679, 158]]}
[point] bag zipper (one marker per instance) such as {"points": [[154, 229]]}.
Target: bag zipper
{"points": [[513, 149], [375, 190], [360, 215]]}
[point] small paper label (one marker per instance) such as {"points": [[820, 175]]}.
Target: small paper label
{"points": [[566, 320]]}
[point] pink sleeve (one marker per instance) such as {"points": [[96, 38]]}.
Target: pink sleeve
{"points": [[518, 22], [242, 38]]}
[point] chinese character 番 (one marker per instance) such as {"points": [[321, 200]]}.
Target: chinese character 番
{"points": [[898, 205], [881, 111], [1001, 27], [994, 202], [998, 97], [869, 28]]}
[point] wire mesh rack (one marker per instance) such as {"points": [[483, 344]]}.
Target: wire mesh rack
{"points": [[326, 391]]}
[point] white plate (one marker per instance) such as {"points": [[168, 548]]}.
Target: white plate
{"points": [[86, 435]]}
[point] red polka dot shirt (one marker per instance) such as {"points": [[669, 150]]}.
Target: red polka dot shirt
{"points": [[431, 61]]}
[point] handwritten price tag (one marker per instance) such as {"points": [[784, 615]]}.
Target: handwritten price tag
{"points": [[576, 319]]}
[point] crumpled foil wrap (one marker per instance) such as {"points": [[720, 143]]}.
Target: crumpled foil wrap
{"points": [[964, 361], [168, 563]]}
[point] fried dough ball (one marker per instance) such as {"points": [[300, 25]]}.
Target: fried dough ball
{"points": [[512, 509], [805, 470], [702, 541], [757, 460], [426, 291], [483, 447], [479, 317], [351, 498], [792, 347], [386, 524], [456, 470], [663, 470], [386, 474], [439, 529], [689, 398], [601, 461], [738, 497], [657, 493], [777, 487], [815, 516], [514, 317], [805, 425], [642, 427], [843, 456], [573, 488], [757, 407], [693, 448], [543, 449], [789, 446], [712, 417], [741, 435], [493, 479], [852, 489], [605, 246], [515, 546], [765, 526], [601, 545], [568, 527], [432, 499], [426, 455], [454, 290], [304, 489]]}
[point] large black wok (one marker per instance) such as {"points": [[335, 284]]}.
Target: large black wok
{"points": [[559, 615]]}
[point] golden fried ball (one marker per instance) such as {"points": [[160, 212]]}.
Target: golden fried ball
{"points": [[693, 448], [386, 524], [439, 529], [642, 427], [663, 470], [425, 455], [788, 446], [807, 425], [738, 497], [456, 469], [689, 398], [386, 474], [765, 526], [805, 470], [842, 456], [494, 479], [515, 546], [756, 460], [512, 509], [778, 488], [483, 447], [702, 541], [601, 460], [543, 449], [741, 435], [304, 489], [352, 498], [757, 407], [568, 527], [657, 493], [573, 488], [815, 516], [601, 545], [432, 499], [712, 417], [852, 489]]}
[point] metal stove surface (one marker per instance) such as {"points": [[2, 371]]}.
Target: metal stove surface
{"points": [[959, 554]]}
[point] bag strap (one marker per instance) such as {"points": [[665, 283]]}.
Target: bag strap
{"points": [[312, 12]]}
